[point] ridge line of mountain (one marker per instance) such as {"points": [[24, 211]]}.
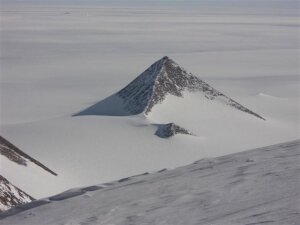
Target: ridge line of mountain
{"points": [[164, 77], [13, 153]]}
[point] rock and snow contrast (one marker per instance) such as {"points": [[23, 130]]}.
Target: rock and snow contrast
{"points": [[17, 156], [259, 186], [24, 171], [12, 157], [119, 135], [170, 129], [11, 196], [55, 64], [162, 78]]}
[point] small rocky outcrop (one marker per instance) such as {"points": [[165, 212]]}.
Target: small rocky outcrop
{"points": [[11, 196], [170, 129]]}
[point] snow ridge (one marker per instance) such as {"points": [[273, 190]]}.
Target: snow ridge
{"points": [[166, 77], [231, 189], [15, 155]]}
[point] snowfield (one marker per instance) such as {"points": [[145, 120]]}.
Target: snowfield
{"points": [[60, 57], [104, 142], [259, 186]]}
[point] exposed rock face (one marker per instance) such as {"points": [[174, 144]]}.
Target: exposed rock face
{"points": [[170, 129], [14, 154], [11, 196], [167, 77]]}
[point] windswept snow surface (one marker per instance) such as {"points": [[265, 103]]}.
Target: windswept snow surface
{"points": [[58, 58], [259, 186]]}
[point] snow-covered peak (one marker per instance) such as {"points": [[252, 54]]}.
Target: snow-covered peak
{"points": [[165, 77], [162, 78], [151, 87]]}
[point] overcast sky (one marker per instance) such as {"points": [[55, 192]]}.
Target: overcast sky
{"points": [[284, 3]]}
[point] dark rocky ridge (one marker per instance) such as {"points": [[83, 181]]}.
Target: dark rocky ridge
{"points": [[170, 129], [11, 196], [167, 77], [14, 154]]}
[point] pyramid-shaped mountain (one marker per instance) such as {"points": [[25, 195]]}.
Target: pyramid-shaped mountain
{"points": [[164, 77]]}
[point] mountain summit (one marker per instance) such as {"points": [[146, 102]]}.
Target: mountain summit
{"points": [[162, 78]]}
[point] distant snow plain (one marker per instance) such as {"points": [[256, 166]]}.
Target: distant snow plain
{"points": [[59, 59]]}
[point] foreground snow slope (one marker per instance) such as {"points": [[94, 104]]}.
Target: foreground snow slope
{"points": [[260, 186]]}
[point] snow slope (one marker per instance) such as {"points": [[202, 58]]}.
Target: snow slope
{"points": [[58, 58], [259, 186]]}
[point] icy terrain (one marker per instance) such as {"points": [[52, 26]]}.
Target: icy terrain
{"points": [[58, 58], [259, 186], [120, 145]]}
